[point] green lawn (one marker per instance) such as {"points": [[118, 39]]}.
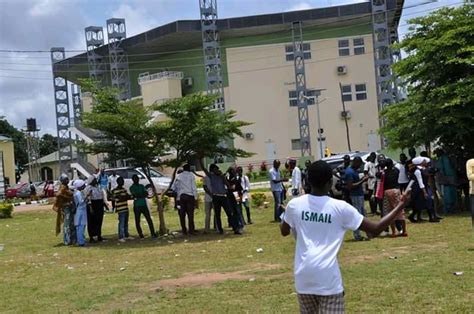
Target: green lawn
{"points": [[216, 274]]}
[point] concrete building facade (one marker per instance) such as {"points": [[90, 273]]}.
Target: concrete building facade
{"points": [[259, 77]]}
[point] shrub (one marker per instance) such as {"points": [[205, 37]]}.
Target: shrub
{"points": [[6, 210], [258, 199], [255, 175], [262, 173], [263, 167], [166, 202]]}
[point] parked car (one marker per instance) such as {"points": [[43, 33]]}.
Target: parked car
{"points": [[13, 191], [160, 180]]}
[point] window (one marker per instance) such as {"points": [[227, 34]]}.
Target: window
{"points": [[359, 48], [295, 144], [290, 56], [344, 47], [293, 97], [346, 93], [360, 91]]}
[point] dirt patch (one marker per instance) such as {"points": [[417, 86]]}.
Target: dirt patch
{"points": [[206, 280], [32, 207]]}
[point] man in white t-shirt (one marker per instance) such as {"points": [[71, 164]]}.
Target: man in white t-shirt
{"points": [[112, 185], [319, 223], [295, 178]]}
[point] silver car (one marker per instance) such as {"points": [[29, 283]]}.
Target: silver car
{"points": [[160, 181]]}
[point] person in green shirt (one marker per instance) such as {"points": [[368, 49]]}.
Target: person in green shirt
{"points": [[139, 194]]}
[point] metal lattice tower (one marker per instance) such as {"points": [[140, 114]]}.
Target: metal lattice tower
{"points": [[300, 79], [119, 74], [382, 53], [212, 51], [61, 100], [96, 62], [76, 103]]}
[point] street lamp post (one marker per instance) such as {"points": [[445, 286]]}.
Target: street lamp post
{"points": [[316, 98]]}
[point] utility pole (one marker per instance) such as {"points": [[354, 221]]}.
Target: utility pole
{"points": [[344, 115]]}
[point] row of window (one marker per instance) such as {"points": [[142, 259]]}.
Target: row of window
{"points": [[357, 45], [343, 45], [360, 92]]}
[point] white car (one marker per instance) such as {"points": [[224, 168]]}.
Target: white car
{"points": [[160, 180]]}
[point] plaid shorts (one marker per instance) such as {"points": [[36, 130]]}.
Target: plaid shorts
{"points": [[311, 303]]}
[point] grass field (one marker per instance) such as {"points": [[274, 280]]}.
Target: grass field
{"points": [[219, 274]]}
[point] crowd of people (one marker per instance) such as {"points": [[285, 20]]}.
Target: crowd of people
{"points": [[434, 188], [85, 203]]}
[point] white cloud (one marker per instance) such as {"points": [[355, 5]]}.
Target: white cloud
{"points": [[301, 6], [137, 18]]}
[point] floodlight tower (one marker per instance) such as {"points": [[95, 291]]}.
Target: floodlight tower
{"points": [[300, 80], [212, 51], [32, 142], [61, 99], [96, 62], [119, 74]]}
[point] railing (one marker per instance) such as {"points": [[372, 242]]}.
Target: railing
{"points": [[146, 77]]}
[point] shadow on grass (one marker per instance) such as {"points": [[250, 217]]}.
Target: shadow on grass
{"points": [[113, 243]]}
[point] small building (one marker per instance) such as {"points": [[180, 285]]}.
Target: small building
{"points": [[7, 155]]}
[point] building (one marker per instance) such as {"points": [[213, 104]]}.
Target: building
{"points": [[259, 75], [7, 159]]}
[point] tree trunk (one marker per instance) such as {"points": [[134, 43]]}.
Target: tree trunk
{"points": [[159, 204]]}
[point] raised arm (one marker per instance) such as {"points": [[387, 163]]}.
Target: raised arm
{"points": [[375, 228]]}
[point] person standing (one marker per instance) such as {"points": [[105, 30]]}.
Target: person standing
{"points": [[402, 172], [341, 171], [234, 194], [304, 177], [103, 181], [391, 197], [245, 183], [95, 216], [354, 186], [369, 171], [121, 197], [65, 209], [80, 217], [185, 187], [421, 193], [295, 178], [139, 194], [220, 200], [319, 223], [207, 203], [112, 185], [470, 177], [276, 186]]}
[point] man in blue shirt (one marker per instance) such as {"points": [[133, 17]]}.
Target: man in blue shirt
{"points": [[356, 192]]}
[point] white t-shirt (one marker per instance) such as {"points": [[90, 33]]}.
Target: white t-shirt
{"points": [[296, 179], [370, 168], [319, 223], [113, 181], [402, 175]]}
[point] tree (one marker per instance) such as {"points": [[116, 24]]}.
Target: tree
{"points": [[127, 132], [437, 72], [48, 144], [193, 131], [19, 142]]}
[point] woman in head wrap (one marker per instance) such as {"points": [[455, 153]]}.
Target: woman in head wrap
{"points": [[80, 218], [64, 207]]}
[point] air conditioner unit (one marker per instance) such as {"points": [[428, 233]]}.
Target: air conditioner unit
{"points": [[341, 70], [188, 81], [345, 114], [249, 136]]}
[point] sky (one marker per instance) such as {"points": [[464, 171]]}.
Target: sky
{"points": [[26, 88]]}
